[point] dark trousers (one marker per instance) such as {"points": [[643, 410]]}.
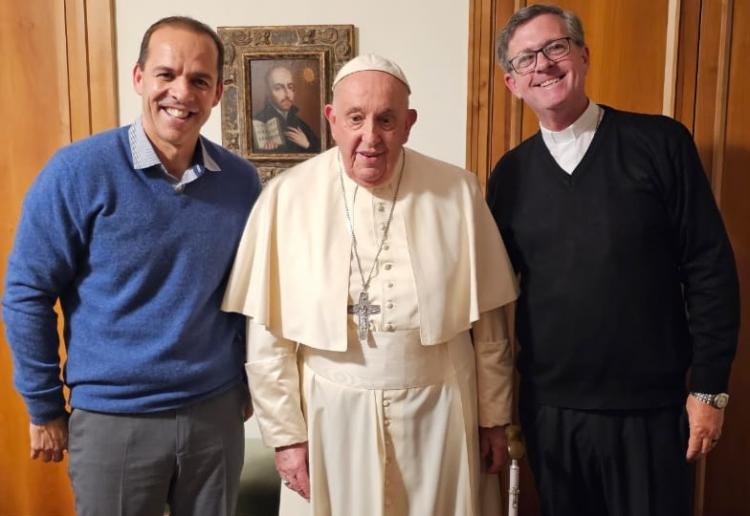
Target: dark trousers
{"points": [[137, 464], [609, 463]]}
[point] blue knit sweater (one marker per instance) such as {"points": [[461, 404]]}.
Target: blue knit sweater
{"points": [[139, 270]]}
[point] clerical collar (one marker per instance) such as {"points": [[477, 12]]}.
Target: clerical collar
{"points": [[588, 121]]}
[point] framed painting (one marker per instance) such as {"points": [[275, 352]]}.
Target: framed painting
{"points": [[277, 81]]}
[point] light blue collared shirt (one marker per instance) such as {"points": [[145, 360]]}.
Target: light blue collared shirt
{"points": [[144, 156]]}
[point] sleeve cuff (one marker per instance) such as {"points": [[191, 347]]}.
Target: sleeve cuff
{"points": [[45, 410], [494, 383], [709, 379], [277, 401]]}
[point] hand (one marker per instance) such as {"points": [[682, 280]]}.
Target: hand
{"points": [[493, 448], [247, 410], [271, 146], [705, 428], [291, 463], [49, 439], [297, 136]]}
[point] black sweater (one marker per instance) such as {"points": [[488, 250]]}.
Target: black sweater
{"points": [[627, 274]]}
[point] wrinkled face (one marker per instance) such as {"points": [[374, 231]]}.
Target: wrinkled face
{"points": [[370, 120], [281, 88], [551, 86], [178, 85]]}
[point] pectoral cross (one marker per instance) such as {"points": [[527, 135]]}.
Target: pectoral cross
{"points": [[363, 311]]}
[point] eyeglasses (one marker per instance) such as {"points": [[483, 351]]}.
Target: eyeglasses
{"points": [[525, 62]]}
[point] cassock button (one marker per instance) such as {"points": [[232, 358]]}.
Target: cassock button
{"points": [[388, 266], [389, 305], [381, 207], [386, 403], [387, 422], [390, 284], [389, 327], [382, 226], [386, 247]]}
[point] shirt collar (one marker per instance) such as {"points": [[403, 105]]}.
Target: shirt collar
{"points": [[144, 155], [588, 121], [282, 114]]}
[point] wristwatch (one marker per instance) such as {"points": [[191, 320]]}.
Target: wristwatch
{"points": [[718, 401]]}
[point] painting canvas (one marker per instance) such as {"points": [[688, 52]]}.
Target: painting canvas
{"points": [[286, 95], [277, 81]]}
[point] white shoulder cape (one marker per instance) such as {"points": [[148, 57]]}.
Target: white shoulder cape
{"points": [[291, 272]]}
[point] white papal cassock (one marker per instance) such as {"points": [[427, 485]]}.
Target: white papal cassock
{"points": [[391, 423]]}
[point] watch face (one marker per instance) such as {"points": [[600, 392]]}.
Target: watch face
{"points": [[721, 400]]}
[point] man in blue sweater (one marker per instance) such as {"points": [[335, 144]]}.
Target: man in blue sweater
{"points": [[627, 283], [133, 230]]}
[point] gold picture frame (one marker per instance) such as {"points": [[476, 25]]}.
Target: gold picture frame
{"points": [[277, 80]]}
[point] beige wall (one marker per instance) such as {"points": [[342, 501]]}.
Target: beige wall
{"points": [[428, 39]]}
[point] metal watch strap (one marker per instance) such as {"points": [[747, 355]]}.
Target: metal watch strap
{"points": [[705, 398], [712, 399]]}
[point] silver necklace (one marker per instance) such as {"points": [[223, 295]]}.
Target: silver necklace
{"points": [[363, 309]]}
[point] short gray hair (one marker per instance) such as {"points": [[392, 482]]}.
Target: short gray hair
{"points": [[573, 26]]}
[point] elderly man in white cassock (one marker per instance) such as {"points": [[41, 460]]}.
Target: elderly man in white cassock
{"points": [[375, 284]]}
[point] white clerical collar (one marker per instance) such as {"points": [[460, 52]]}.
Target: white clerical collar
{"points": [[588, 121]]}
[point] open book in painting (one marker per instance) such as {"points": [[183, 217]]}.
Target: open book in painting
{"points": [[267, 133]]}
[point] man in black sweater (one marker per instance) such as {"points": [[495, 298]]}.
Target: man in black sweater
{"points": [[628, 283]]}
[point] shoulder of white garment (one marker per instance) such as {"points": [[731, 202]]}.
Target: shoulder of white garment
{"points": [[286, 273], [284, 193], [300, 175], [290, 271], [481, 279], [431, 174]]}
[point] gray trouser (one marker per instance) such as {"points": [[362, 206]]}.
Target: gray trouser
{"points": [[137, 464]]}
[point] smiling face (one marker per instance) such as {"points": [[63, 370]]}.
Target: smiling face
{"points": [[370, 120], [555, 91], [281, 88], [179, 86]]}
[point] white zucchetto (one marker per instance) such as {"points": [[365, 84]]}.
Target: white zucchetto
{"points": [[371, 62]]}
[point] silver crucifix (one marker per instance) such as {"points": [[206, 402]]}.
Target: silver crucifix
{"points": [[363, 311]]}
